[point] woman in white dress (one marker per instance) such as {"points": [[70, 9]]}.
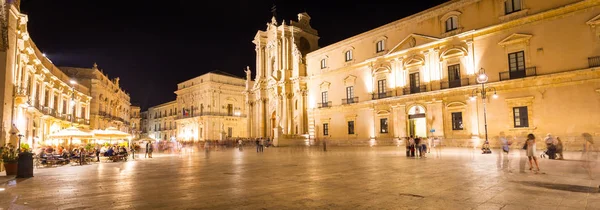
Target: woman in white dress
{"points": [[531, 152]]}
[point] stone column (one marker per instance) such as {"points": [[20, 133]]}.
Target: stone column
{"points": [[470, 58], [394, 121], [472, 117], [400, 115]]}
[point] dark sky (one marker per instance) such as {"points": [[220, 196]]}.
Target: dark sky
{"points": [[153, 45]]}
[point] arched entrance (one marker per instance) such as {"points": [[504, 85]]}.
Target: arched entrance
{"points": [[273, 124], [417, 123]]}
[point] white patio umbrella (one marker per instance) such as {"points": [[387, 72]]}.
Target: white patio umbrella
{"points": [[110, 133], [70, 133]]}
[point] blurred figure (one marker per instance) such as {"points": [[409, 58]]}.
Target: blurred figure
{"points": [[559, 149], [589, 154], [531, 149]]}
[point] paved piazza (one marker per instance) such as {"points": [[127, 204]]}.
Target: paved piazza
{"points": [[303, 178]]}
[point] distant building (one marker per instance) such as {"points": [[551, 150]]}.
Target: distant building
{"points": [[208, 107], [111, 105], [135, 122]]}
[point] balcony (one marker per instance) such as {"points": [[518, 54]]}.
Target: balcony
{"points": [[508, 75], [349, 100], [594, 61], [413, 90], [380, 95], [455, 83], [324, 104], [21, 96], [222, 114]]}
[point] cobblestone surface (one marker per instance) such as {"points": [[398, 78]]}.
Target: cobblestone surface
{"points": [[301, 178]]}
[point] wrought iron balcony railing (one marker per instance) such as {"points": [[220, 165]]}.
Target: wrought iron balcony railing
{"points": [[413, 90], [325, 104], [380, 95], [349, 100], [594, 61], [455, 83], [508, 75]]}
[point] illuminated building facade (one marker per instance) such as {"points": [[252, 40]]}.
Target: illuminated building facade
{"points": [[416, 76], [37, 97]]}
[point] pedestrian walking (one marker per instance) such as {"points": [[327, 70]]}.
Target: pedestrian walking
{"points": [[531, 149], [147, 149], [257, 145], [261, 145]]}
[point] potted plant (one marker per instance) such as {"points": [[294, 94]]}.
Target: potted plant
{"points": [[10, 157]]}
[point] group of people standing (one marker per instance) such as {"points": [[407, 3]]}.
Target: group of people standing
{"points": [[419, 147]]}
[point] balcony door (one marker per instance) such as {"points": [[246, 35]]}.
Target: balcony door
{"points": [[381, 88], [516, 64], [414, 82], [454, 76]]}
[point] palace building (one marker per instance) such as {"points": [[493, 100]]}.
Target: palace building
{"points": [[461, 71], [111, 106], [208, 107], [39, 98]]}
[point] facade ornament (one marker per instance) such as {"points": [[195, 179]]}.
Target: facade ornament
{"points": [[248, 73]]}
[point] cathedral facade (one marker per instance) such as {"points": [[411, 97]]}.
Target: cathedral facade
{"points": [[277, 98], [465, 71]]}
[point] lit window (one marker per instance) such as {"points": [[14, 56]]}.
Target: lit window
{"points": [[521, 118], [383, 125], [457, 122]]}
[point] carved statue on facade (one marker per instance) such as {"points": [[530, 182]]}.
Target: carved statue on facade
{"points": [[248, 73]]}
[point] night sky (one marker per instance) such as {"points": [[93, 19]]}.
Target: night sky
{"points": [[153, 45]]}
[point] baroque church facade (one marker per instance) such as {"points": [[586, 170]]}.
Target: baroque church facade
{"points": [[463, 71], [277, 98]]}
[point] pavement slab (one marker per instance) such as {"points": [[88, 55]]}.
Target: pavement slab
{"points": [[309, 178]]}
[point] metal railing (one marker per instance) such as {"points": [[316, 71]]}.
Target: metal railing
{"points": [[413, 90], [594, 61], [455, 83], [508, 75], [325, 104], [349, 100], [380, 95], [220, 114]]}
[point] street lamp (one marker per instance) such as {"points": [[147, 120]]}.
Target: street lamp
{"points": [[482, 78], [72, 100]]}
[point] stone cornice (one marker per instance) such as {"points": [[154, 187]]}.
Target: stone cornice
{"points": [[416, 18]]}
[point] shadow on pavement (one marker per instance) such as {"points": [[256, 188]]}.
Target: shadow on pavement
{"points": [[564, 187]]}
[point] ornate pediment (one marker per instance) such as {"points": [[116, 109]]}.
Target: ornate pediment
{"points": [[349, 80], [412, 40], [454, 51], [324, 86], [515, 39], [414, 61], [594, 21]]}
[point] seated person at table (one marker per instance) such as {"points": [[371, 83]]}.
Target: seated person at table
{"points": [[109, 152], [123, 151]]}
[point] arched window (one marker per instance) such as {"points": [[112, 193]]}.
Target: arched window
{"points": [[323, 63], [451, 23], [349, 56]]}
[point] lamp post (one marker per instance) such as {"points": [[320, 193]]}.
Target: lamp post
{"points": [[482, 78], [72, 100]]}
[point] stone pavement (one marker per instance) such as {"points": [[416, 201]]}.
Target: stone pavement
{"points": [[308, 178]]}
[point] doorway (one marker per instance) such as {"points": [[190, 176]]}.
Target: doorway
{"points": [[417, 123]]}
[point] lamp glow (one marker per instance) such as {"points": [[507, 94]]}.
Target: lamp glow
{"points": [[495, 96]]}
